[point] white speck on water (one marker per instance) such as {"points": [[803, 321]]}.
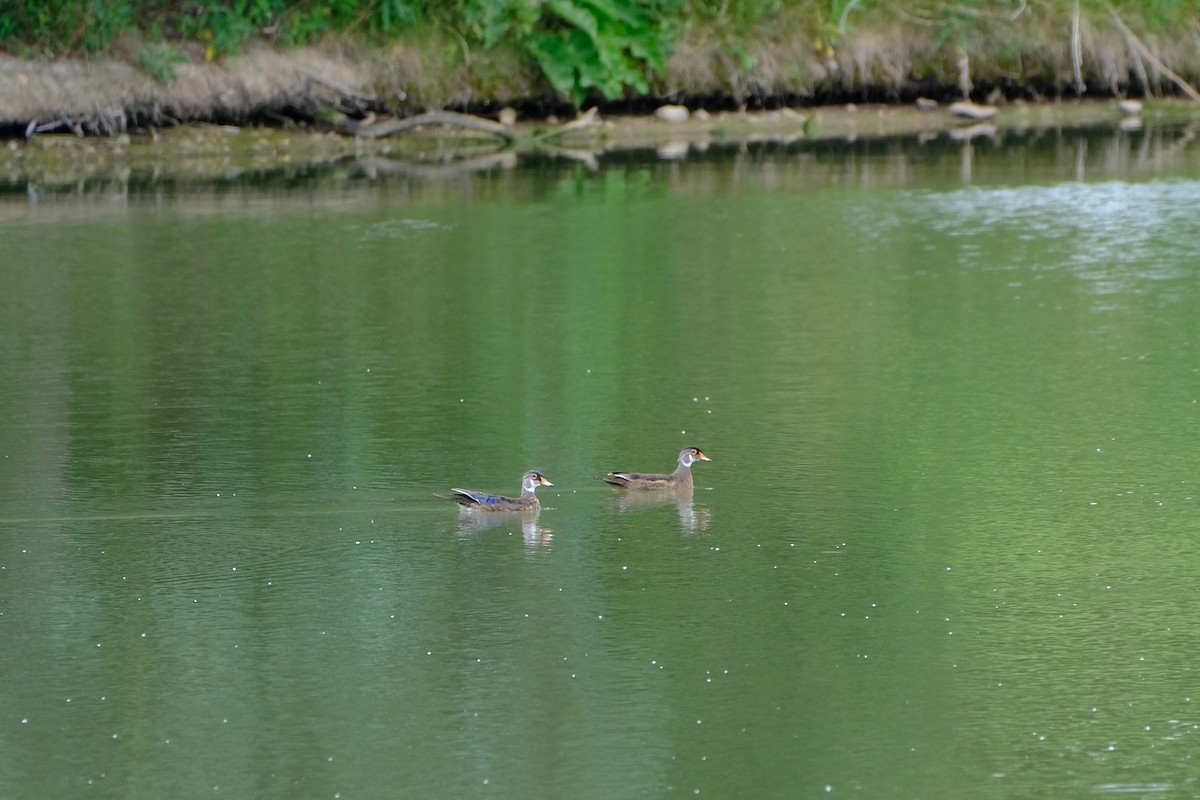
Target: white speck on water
{"points": [[25, 720], [828, 788], [695, 399], [428, 652], [683, 432], [116, 736], [599, 616], [485, 781], [624, 567], [235, 569], [310, 455]]}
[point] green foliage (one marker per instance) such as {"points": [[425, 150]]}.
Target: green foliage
{"points": [[605, 47], [69, 26], [159, 60], [57, 25], [580, 45]]}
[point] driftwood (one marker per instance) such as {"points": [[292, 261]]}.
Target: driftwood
{"points": [[585, 120], [391, 127], [1144, 51], [965, 108], [375, 129]]}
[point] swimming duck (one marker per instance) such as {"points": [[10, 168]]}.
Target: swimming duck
{"points": [[681, 478], [481, 501]]}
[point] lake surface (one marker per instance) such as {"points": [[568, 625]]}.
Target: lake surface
{"points": [[948, 544]]}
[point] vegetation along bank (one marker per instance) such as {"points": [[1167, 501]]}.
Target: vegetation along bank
{"points": [[106, 66]]}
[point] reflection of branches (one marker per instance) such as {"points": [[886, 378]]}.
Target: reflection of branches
{"points": [[373, 167]]}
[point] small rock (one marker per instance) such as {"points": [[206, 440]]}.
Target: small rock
{"points": [[508, 116], [701, 115], [670, 113], [926, 104], [1130, 107]]}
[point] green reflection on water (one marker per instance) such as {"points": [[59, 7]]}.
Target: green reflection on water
{"points": [[944, 544]]}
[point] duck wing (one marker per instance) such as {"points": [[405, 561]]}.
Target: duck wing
{"points": [[485, 502]]}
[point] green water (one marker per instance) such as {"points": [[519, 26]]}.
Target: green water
{"points": [[946, 547]]}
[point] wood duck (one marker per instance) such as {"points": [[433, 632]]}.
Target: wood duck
{"points": [[480, 501], [681, 478]]}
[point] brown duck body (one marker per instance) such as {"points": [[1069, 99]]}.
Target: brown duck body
{"points": [[481, 501], [681, 478]]}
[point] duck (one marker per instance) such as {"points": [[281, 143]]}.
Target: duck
{"points": [[481, 501], [681, 478]]}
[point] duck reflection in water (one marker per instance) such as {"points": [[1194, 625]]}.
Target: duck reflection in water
{"points": [[533, 534], [692, 518]]}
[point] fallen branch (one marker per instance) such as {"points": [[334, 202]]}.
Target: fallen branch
{"points": [[1145, 53], [1077, 53], [587, 119], [444, 118]]}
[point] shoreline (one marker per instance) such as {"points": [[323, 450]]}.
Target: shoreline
{"points": [[205, 152]]}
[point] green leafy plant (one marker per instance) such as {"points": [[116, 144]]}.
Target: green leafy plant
{"points": [[159, 60], [580, 45]]}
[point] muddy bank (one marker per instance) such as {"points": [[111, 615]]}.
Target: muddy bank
{"points": [[206, 152], [891, 60], [269, 107]]}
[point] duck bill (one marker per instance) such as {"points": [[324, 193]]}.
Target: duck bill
{"points": [[545, 482], [700, 455]]}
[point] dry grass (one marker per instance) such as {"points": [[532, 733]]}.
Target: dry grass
{"points": [[886, 53]]}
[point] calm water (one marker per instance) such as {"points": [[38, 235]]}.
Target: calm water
{"points": [[947, 545]]}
